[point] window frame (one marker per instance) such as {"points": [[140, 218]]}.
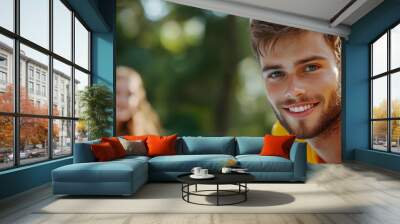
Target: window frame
{"points": [[6, 61], [3, 77], [16, 115], [3, 71], [388, 74]]}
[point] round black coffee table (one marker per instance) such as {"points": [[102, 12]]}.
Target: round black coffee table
{"points": [[238, 179]]}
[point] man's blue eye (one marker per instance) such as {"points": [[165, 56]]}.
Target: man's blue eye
{"points": [[311, 68], [276, 74]]}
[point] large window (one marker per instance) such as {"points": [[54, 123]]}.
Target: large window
{"points": [[44, 64], [385, 91]]}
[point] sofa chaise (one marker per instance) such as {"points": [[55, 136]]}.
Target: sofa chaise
{"points": [[125, 176]]}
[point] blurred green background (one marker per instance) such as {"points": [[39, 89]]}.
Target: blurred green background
{"points": [[198, 68]]}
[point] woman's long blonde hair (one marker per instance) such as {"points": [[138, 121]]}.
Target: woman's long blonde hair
{"points": [[144, 119]]}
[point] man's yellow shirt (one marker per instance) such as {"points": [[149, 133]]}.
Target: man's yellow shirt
{"points": [[312, 156]]}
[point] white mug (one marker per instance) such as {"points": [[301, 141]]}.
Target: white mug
{"points": [[196, 171], [203, 172], [226, 170]]}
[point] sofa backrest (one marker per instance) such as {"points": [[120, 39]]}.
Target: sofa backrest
{"points": [[190, 146], [83, 152], [206, 145], [249, 145]]}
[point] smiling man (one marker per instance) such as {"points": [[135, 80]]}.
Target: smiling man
{"points": [[301, 73]]}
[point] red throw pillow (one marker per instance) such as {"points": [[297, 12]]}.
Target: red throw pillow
{"points": [[116, 145], [103, 152], [161, 145], [277, 145]]}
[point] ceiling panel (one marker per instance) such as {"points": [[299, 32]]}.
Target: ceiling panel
{"points": [[326, 16], [320, 9]]}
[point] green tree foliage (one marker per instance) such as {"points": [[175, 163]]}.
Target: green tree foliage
{"points": [[196, 66], [96, 102]]}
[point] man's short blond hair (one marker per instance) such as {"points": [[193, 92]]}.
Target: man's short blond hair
{"points": [[265, 34]]}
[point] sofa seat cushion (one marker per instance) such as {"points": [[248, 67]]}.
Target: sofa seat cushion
{"points": [[111, 171], [257, 163], [185, 163]]}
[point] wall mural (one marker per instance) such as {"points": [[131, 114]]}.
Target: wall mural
{"points": [[198, 72]]}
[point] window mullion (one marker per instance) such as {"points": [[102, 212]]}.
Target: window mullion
{"points": [[389, 101], [371, 92], [16, 70], [73, 82], [50, 81]]}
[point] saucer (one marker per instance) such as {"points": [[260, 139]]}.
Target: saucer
{"points": [[208, 176], [240, 171]]}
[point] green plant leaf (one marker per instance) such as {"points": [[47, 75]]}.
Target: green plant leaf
{"points": [[96, 102]]}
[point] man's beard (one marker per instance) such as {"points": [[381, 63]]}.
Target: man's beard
{"points": [[327, 118]]}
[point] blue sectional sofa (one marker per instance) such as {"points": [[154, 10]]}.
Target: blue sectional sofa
{"points": [[125, 176]]}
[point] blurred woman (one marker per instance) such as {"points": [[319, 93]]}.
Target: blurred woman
{"points": [[135, 115]]}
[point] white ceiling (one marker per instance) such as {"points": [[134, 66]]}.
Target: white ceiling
{"points": [[324, 16]]}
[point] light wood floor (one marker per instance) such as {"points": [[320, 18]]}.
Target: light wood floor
{"points": [[378, 188]]}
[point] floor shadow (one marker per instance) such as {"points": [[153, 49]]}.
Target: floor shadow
{"points": [[255, 198]]}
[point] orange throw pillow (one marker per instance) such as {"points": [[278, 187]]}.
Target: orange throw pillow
{"points": [[116, 145], [103, 152], [277, 145], [161, 145]]}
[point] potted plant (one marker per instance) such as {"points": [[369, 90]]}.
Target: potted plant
{"points": [[96, 103]]}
